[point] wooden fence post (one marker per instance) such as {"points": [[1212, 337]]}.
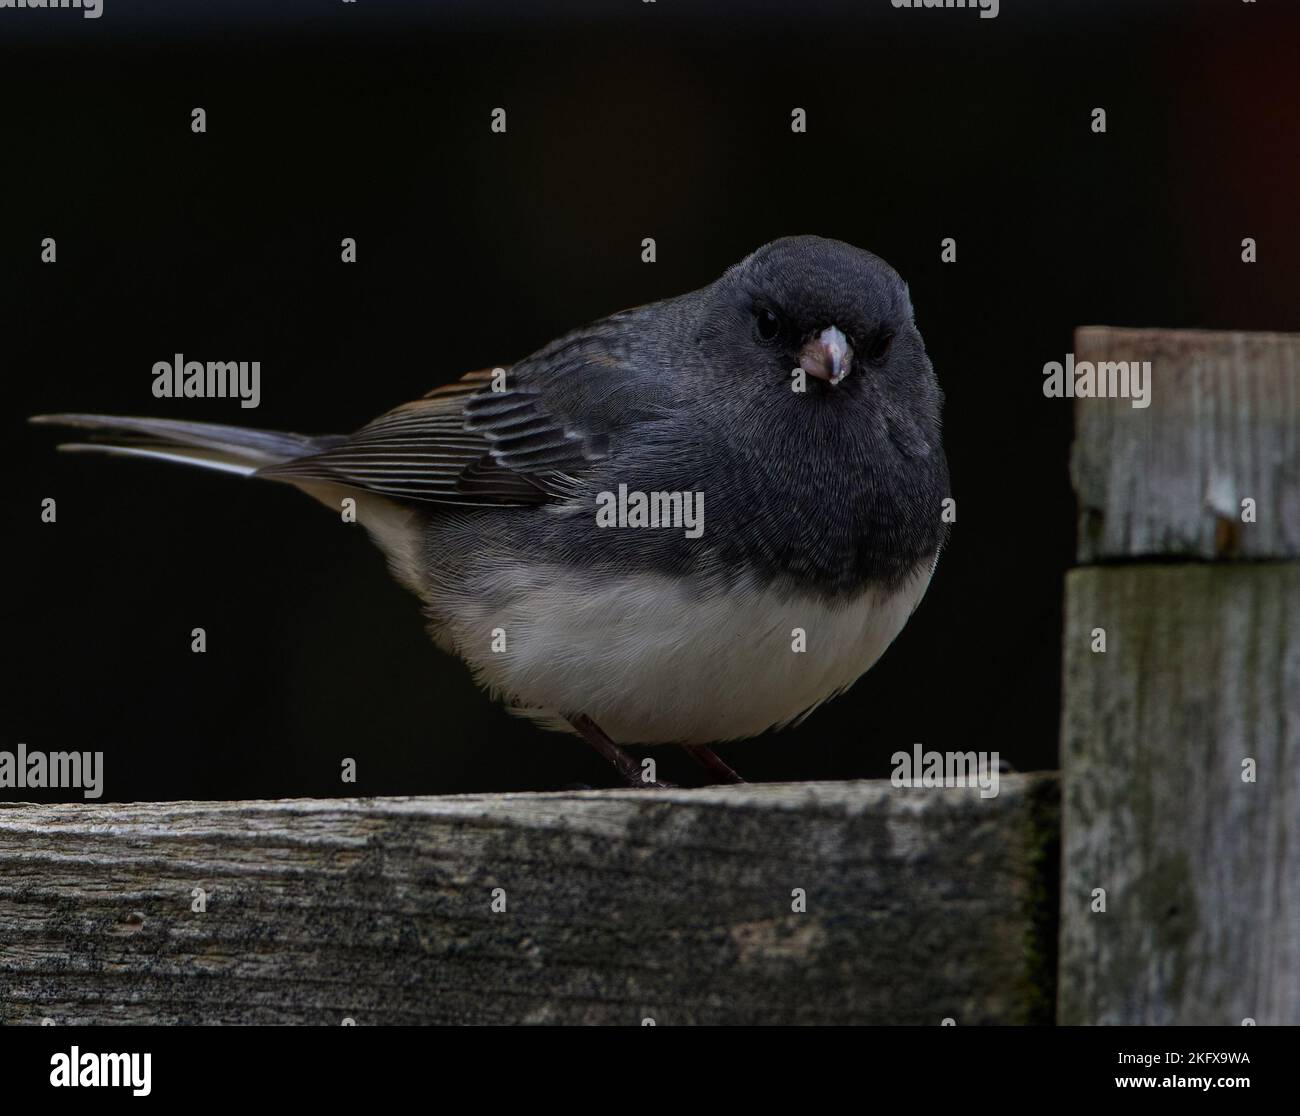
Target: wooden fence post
{"points": [[772, 903], [1180, 899]]}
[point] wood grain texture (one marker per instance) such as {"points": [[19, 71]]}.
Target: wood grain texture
{"points": [[1201, 870], [1223, 424], [621, 906]]}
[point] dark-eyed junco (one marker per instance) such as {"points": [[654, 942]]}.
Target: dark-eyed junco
{"points": [[689, 522]]}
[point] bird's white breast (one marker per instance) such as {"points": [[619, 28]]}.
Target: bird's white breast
{"points": [[655, 659]]}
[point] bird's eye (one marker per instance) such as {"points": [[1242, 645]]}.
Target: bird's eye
{"points": [[767, 324], [879, 346]]}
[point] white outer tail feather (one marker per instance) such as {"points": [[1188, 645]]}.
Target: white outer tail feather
{"points": [[228, 449]]}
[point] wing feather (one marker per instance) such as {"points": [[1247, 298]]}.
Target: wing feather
{"points": [[467, 444]]}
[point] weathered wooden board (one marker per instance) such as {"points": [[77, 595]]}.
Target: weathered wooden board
{"points": [[1201, 870], [621, 906], [1169, 479]]}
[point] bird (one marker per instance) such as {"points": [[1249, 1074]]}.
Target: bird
{"points": [[687, 523]]}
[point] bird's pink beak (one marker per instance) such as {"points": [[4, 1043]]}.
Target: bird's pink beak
{"points": [[827, 356]]}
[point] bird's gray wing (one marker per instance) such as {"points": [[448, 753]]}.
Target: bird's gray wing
{"points": [[525, 437]]}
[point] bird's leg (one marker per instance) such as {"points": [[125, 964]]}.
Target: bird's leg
{"points": [[595, 736], [713, 763]]}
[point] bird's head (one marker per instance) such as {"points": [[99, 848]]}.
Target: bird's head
{"points": [[822, 324]]}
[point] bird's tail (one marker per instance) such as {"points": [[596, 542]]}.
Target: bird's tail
{"points": [[230, 449]]}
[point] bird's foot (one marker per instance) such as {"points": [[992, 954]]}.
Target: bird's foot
{"points": [[714, 764], [633, 773]]}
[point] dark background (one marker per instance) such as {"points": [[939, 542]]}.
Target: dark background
{"points": [[626, 120]]}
